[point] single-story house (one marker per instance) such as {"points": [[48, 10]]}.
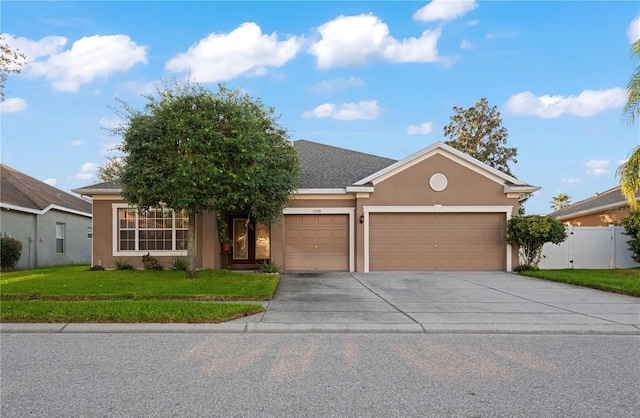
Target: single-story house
{"points": [[53, 226], [601, 209], [438, 209]]}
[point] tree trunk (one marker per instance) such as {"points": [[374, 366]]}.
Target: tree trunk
{"points": [[191, 247]]}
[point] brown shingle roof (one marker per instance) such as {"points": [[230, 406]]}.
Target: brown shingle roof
{"points": [[612, 198], [20, 190]]}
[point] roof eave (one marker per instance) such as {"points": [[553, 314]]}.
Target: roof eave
{"points": [[590, 211]]}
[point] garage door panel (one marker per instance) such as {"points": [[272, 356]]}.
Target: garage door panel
{"points": [[316, 242], [437, 241]]}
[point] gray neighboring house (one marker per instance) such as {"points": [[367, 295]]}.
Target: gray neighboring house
{"points": [[55, 227]]}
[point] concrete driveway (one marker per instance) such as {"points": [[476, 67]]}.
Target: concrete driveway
{"points": [[442, 302]]}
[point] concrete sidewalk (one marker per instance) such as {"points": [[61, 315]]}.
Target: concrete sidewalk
{"points": [[427, 302]]}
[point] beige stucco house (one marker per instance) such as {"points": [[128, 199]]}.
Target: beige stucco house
{"points": [[438, 209], [602, 209]]}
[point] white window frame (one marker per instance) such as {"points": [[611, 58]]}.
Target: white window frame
{"points": [[155, 253], [61, 236]]}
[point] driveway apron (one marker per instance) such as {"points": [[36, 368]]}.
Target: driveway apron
{"points": [[443, 302]]}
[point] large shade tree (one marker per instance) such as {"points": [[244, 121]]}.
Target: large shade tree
{"points": [[196, 150], [478, 131], [629, 172]]}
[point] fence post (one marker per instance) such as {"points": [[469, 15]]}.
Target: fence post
{"points": [[612, 263], [570, 234]]}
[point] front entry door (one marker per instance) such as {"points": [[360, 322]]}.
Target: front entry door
{"points": [[251, 243]]}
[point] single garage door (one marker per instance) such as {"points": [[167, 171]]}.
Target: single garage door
{"points": [[316, 242], [437, 241]]}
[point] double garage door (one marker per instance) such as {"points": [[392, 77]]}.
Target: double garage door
{"points": [[399, 242], [436, 241]]}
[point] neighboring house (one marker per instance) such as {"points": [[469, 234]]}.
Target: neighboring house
{"points": [[602, 209], [53, 226], [438, 209]]}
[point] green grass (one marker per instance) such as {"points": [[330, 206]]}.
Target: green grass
{"points": [[77, 294], [80, 283], [625, 281], [123, 311]]}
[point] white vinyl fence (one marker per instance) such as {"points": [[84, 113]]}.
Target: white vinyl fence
{"points": [[590, 247]]}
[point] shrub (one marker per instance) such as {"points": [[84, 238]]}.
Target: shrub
{"points": [[178, 263], [11, 250], [150, 263], [269, 267], [121, 264], [531, 232], [632, 228], [525, 267]]}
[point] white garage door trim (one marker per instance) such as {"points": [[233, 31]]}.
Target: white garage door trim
{"points": [[431, 209], [332, 211]]}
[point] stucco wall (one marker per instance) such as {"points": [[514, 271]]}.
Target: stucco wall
{"points": [[410, 187], [38, 236], [604, 218], [208, 247]]}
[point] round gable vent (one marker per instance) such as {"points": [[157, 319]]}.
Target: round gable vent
{"points": [[438, 182]]}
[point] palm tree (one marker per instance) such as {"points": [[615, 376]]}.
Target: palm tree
{"points": [[561, 201], [629, 172]]}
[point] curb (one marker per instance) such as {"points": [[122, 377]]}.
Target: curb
{"points": [[256, 328]]}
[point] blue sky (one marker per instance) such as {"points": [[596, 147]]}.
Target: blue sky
{"points": [[377, 77]]}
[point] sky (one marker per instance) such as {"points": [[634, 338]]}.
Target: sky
{"points": [[380, 77]]}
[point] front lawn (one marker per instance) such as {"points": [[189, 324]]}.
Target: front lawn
{"points": [[625, 281], [77, 294]]}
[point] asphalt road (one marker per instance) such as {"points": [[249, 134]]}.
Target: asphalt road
{"points": [[313, 375]]}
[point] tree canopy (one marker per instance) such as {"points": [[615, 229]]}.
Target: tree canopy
{"points": [[11, 61], [561, 201], [478, 131], [195, 150], [629, 172]]}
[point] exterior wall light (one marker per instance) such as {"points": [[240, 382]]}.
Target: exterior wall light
{"points": [[362, 218]]}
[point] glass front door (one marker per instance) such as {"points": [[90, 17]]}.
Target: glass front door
{"points": [[251, 241]]}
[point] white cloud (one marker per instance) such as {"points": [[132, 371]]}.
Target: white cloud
{"points": [[444, 10], [587, 103], [50, 181], [466, 44], [422, 129], [356, 40], [88, 59], [33, 50], [329, 86], [597, 167], [87, 171], [633, 33], [363, 110], [109, 123], [473, 22], [243, 51], [422, 49], [76, 143], [14, 104], [575, 180]]}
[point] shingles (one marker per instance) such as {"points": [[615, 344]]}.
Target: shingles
{"points": [[322, 167], [325, 167], [605, 199], [19, 189]]}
